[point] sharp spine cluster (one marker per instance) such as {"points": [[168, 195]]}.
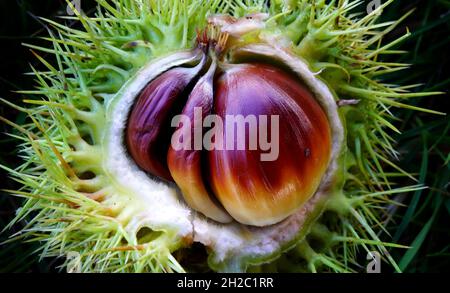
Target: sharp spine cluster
{"points": [[73, 204]]}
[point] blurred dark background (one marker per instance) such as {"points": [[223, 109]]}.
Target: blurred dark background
{"points": [[424, 143]]}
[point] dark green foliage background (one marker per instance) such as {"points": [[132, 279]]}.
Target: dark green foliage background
{"points": [[424, 144]]}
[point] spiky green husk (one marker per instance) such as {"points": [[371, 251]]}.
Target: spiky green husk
{"points": [[70, 204]]}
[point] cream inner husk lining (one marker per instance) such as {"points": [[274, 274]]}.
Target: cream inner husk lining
{"points": [[158, 206]]}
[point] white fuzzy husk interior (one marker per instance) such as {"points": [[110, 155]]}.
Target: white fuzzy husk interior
{"points": [[159, 206]]}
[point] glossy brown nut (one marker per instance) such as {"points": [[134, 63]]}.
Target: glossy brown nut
{"points": [[148, 132], [185, 161], [257, 192]]}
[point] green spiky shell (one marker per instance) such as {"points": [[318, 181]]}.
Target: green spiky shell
{"points": [[71, 202]]}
